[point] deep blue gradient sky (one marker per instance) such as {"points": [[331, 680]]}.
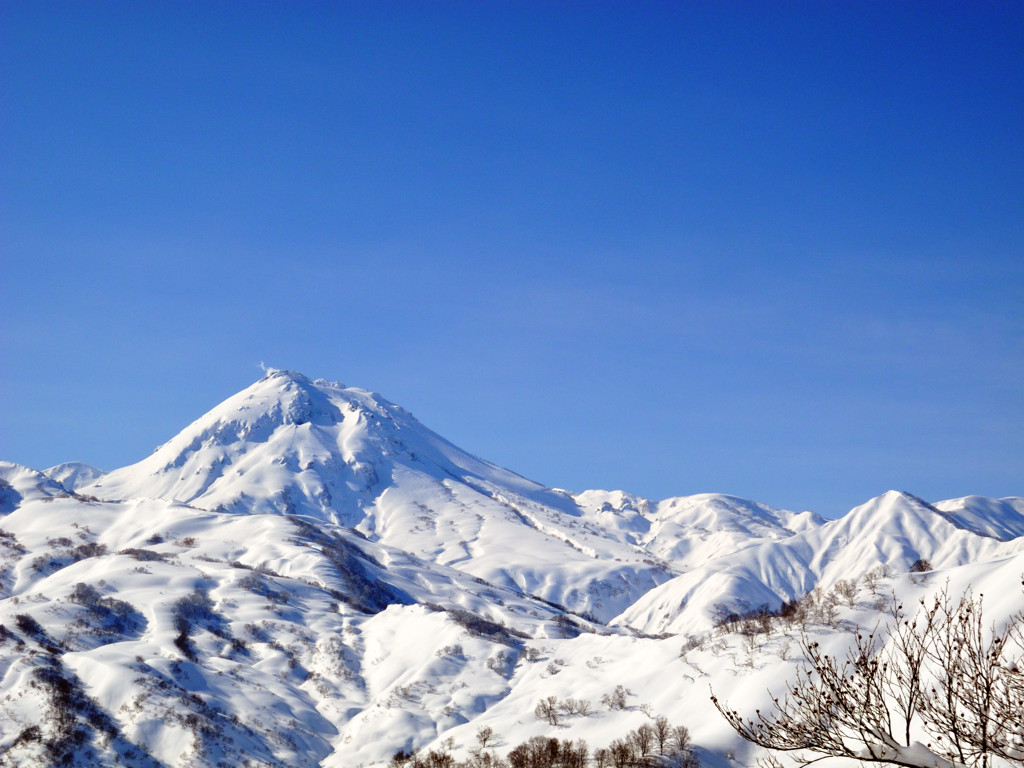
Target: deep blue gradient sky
{"points": [[771, 249]]}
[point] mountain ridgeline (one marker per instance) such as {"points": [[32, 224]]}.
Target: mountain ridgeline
{"points": [[306, 575]]}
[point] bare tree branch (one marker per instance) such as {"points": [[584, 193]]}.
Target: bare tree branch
{"points": [[943, 673]]}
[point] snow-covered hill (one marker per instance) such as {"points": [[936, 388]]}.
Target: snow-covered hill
{"points": [[306, 575], [74, 474]]}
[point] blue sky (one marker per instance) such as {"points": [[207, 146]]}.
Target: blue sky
{"points": [[771, 249]]}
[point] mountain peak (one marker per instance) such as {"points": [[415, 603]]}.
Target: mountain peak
{"points": [[298, 378], [284, 373], [74, 474], [281, 397], [287, 443], [258, 442]]}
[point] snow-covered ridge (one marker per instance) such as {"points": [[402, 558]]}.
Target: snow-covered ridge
{"points": [[1001, 519], [894, 530], [19, 483], [307, 575], [74, 474]]}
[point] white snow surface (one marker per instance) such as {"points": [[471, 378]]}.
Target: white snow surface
{"points": [[350, 584], [74, 474]]}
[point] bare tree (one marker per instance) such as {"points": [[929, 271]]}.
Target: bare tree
{"points": [[681, 738], [484, 734], [622, 753], [692, 642], [941, 671], [785, 647], [662, 734], [616, 699], [873, 578], [750, 629], [547, 709], [682, 748], [846, 589], [827, 611], [568, 706], [574, 754], [643, 739], [976, 703]]}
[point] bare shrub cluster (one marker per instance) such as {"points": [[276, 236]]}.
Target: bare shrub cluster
{"points": [[192, 610], [106, 616], [553, 710], [658, 743]]}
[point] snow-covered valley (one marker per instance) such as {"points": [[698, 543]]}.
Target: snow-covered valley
{"points": [[306, 575]]}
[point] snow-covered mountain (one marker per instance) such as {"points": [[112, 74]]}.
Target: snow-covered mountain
{"points": [[894, 530], [74, 474], [306, 575], [288, 445]]}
